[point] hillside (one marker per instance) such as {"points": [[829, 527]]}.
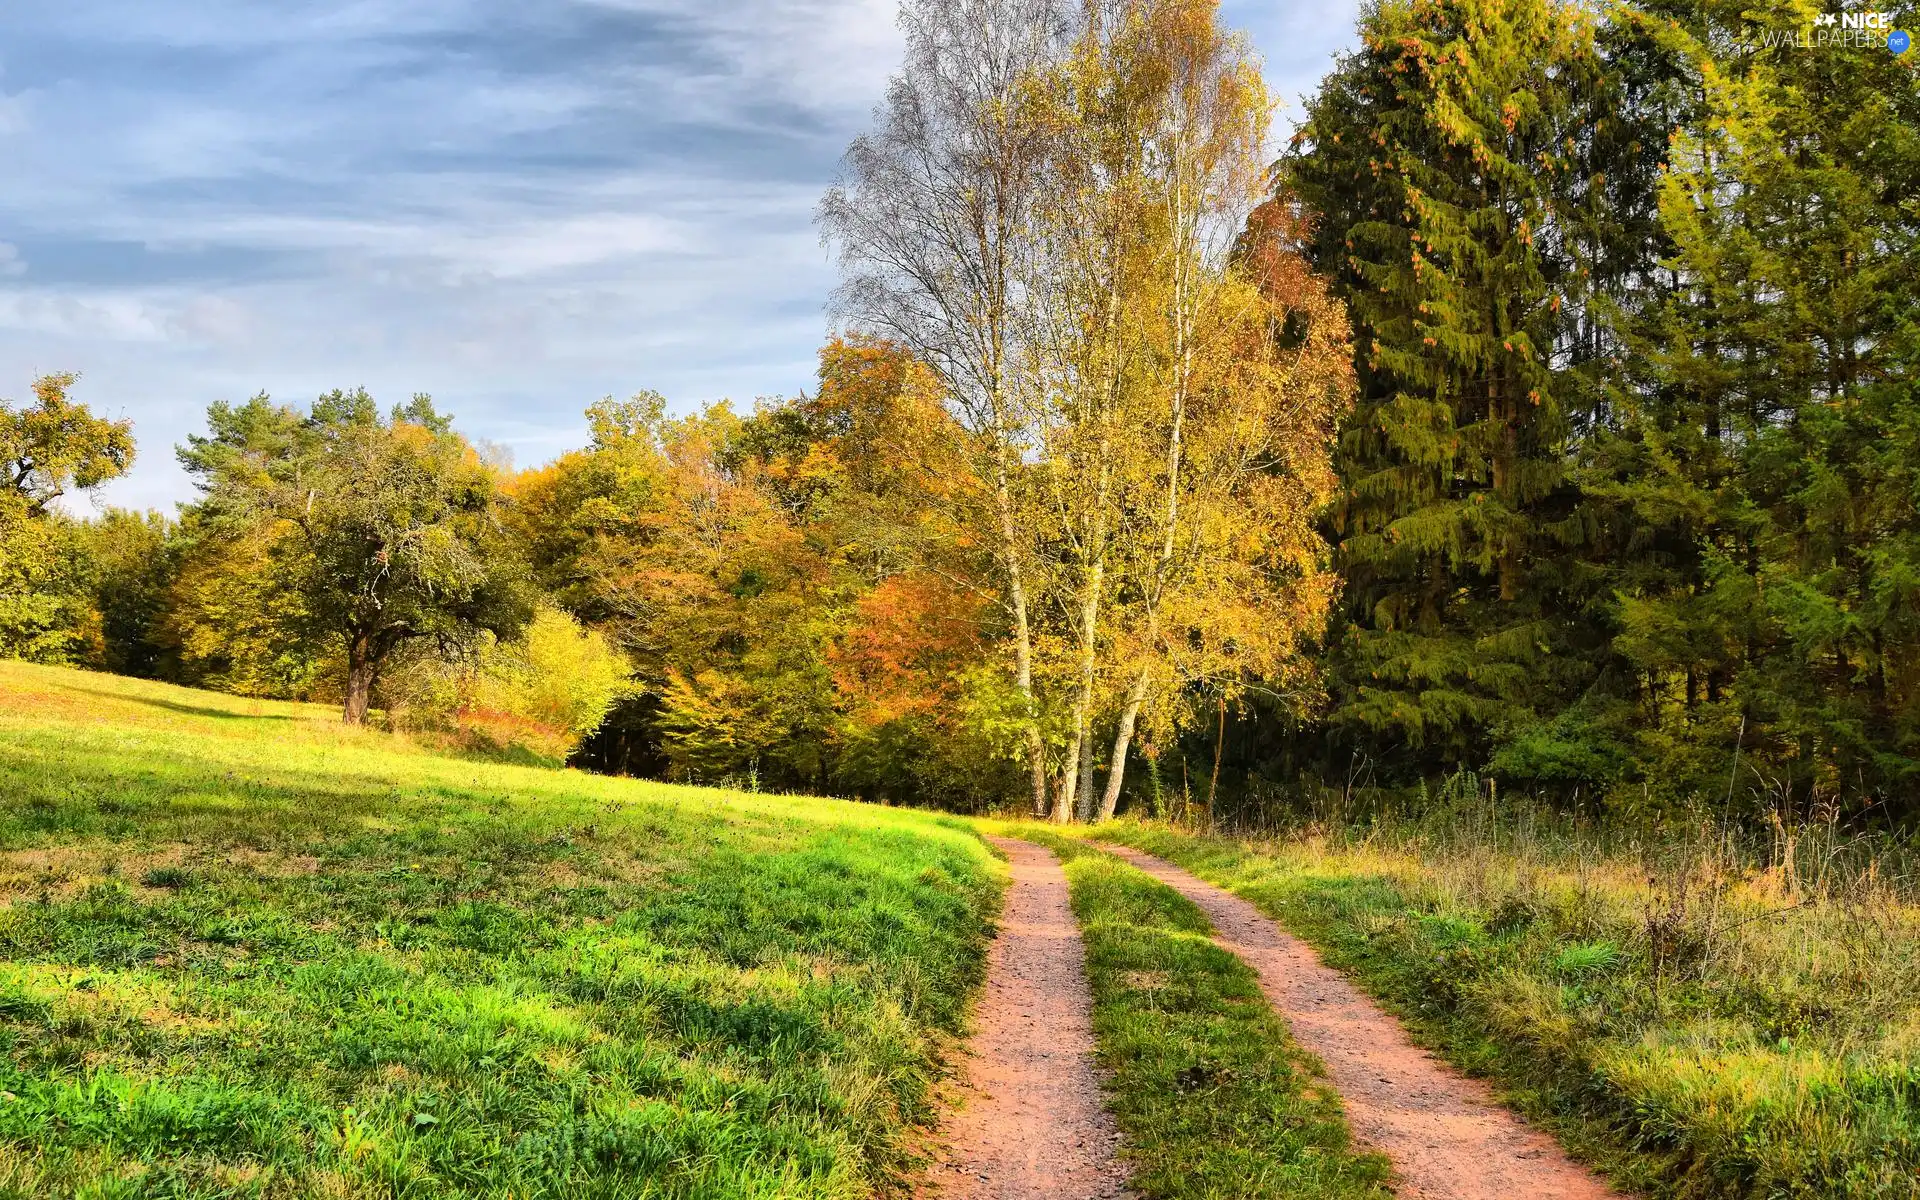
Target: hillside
{"points": [[248, 951]]}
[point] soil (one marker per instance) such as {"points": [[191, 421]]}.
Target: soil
{"points": [[1031, 1121], [1446, 1135]]}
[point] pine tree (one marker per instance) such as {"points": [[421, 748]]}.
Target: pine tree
{"points": [[1445, 161], [1773, 429]]}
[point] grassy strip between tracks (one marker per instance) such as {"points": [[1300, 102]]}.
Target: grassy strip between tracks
{"points": [[1213, 1097]]}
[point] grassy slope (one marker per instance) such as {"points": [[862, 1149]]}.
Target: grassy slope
{"points": [[1779, 1057], [244, 951], [1215, 1099]]}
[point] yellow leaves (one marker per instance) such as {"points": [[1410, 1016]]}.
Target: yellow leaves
{"points": [[54, 444]]}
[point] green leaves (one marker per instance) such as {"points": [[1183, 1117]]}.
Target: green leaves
{"points": [[1435, 156], [47, 610], [383, 529], [55, 444]]}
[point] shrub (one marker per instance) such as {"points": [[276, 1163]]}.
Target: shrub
{"points": [[541, 692]]}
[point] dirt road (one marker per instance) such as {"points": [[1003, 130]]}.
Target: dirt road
{"points": [[1031, 1121], [1447, 1136]]}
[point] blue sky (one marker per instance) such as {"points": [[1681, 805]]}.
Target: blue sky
{"points": [[517, 206]]}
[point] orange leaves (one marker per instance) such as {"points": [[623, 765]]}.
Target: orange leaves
{"points": [[910, 638]]}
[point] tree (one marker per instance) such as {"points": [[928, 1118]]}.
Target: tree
{"points": [[132, 557], [932, 225], [670, 536], [1445, 164], [1162, 353], [230, 619], [541, 692], [391, 526], [1090, 310], [1046, 220], [1766, 455], [1226, 575], [46, 584], [46, 448], [56, 444]]}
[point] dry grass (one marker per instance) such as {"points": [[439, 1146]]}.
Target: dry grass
{"points": [[1702, 1014]]}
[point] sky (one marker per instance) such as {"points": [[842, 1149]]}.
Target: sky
{"points": [[517, 207]]}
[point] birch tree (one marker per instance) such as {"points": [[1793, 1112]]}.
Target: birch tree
{"points": [[932, 224], [1226, 578]]}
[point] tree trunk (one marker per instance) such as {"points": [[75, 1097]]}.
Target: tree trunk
{"points": [[361, 669], [1023, 679], [1213, 787], [1037, 767], [1087, 768], [1069, 783], [1083, 700], [1022, 628], [1122, 740]]}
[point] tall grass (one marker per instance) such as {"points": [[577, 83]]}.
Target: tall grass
{"points": [[1704, 1011], [1810, 849]]}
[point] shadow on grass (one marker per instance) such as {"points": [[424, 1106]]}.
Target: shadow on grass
{"points": [[191, 710]]}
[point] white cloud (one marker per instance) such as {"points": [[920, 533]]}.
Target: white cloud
{"points": [[507, 205], [820, 53]]}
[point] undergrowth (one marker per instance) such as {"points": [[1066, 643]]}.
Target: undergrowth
{"points": [[245, 952]]}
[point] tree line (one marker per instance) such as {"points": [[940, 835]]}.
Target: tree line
{"points": [[1545, 410], [1627, 513]]}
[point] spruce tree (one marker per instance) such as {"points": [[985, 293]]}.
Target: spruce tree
{"points": [[1446, 163], [1771, 438]]}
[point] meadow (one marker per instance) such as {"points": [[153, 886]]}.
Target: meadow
{"points": [[247, 951], [1699, 1017]]}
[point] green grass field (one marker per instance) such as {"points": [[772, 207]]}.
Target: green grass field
{"points": [[245, 951], [1698, 1030]]}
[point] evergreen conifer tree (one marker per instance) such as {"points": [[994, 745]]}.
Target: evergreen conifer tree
{"points": [[1446, 161]]}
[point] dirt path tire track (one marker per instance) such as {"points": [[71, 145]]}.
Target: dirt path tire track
{"points": [[1446, 1135], [1031, 1122]]}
